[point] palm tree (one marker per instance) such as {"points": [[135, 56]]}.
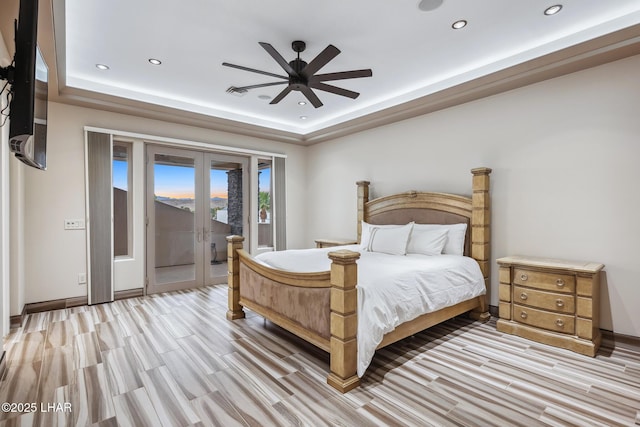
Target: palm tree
{"points": [[264, 199]]}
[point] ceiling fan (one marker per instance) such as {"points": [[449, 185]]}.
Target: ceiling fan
{"points": [[301, 75]]}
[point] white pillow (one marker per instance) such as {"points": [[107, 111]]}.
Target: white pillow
{"points": [[455, 236], [365, 236], [389, 240], [427, 241]]}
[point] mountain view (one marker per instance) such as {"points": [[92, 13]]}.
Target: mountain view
{"points": [[189, 204]]}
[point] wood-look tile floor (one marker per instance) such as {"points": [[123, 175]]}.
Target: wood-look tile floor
{"points": [[174, 360]]}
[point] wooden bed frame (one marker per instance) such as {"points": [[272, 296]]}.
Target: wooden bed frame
{"points": [[321, 307]]}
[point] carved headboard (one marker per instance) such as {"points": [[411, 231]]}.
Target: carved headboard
{"points": [[437, 208]]}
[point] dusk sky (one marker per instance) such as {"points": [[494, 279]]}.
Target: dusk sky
{"points": [[178, 181], [120, 174]]}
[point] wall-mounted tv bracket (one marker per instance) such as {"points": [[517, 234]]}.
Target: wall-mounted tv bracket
{"points": [[6, 73]]}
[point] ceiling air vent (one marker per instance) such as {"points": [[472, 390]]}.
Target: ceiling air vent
{"points": [[236, 91]]}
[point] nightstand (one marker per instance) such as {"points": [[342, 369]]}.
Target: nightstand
{"points": [[327, 243], [551, 301]]}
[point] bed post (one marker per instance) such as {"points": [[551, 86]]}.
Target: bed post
{"points": [[233, 267], [344, 321], [481, 235], [363, 198]]}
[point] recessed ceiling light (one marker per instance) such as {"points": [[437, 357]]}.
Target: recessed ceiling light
{"points": [[459, 24], [102, 67], [428, 5], [302, 103], [265, 97], [155, 61], [552, 10], [303, 117]]}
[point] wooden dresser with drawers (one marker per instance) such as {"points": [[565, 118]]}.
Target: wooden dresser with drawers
{"points": [[551, 301]]}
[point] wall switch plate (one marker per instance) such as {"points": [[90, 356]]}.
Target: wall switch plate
{"points": [[74, 224], [82, 278]]}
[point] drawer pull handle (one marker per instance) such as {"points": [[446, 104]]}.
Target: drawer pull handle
{"points": [[559, 303], [523, 296], [560, 323], [560, 283], [523, 315], [523, 277]]}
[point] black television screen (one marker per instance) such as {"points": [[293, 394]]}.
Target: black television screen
{"points": [[29, 87]]}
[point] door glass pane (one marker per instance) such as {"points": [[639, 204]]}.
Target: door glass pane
{"points": [[121, 199], [265, 224], [226, 212], [174, 206]]}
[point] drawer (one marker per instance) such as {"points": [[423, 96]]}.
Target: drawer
{"points": [[562, 303], [543, 319], [547, 281]]}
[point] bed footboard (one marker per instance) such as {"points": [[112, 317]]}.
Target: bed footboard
{"points": [[321, 308], [233, 268], [344, 321], [481, 236]]}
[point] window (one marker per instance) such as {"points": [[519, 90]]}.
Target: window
{"points": [[121, 199]]}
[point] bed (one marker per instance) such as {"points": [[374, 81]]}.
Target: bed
{"points": [[322, 307]]}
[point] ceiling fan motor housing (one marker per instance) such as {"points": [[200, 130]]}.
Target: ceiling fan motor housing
{"points": [[299, 79]]}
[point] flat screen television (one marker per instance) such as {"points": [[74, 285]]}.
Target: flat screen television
{"points": [[28, 93]]}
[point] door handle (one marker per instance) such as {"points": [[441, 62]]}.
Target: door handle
{"points": [[199, 236], [207, 235]]}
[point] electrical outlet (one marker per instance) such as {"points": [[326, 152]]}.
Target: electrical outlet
{"points": [[82, 278], [74, 224]]}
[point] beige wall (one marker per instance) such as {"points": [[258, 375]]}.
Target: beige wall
{"points": [[564, 155], [55, 256], [11, 221]]}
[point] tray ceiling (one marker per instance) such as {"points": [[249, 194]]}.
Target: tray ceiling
{"points": [[413, 53]]}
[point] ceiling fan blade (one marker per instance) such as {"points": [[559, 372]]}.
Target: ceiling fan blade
{"points": [[315, 101], [334, 89], [320, 61], [282, 94], [279, 59], [259, 85], [253, 70], [355, 74]]}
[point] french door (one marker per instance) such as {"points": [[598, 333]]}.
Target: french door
{"points": [[194, 200]]}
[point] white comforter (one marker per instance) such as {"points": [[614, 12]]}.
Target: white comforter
{"points": [[391, 289]]}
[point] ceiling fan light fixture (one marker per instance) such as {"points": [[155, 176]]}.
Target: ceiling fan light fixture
{"points": [[429, 5], [459, 24], [552, 10], [102, 67]]}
